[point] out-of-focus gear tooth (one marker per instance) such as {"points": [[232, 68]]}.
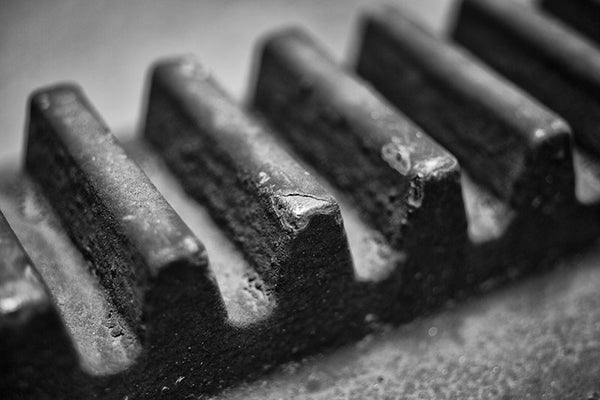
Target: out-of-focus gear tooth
{"points": [[543, 56], [37, 357], [506, 140], [583, 15]]}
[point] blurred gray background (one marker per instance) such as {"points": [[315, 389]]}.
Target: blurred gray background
{"points": [[107, 46]]}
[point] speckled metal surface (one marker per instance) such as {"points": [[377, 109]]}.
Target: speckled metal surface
{"points": [[535, 339], [505, 139], [554, 63], [538, 338]]}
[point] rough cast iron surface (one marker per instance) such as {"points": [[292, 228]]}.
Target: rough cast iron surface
{"points": [[545, 57], [194, 351], [538, 339], [402, 181], [508, 142]]}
